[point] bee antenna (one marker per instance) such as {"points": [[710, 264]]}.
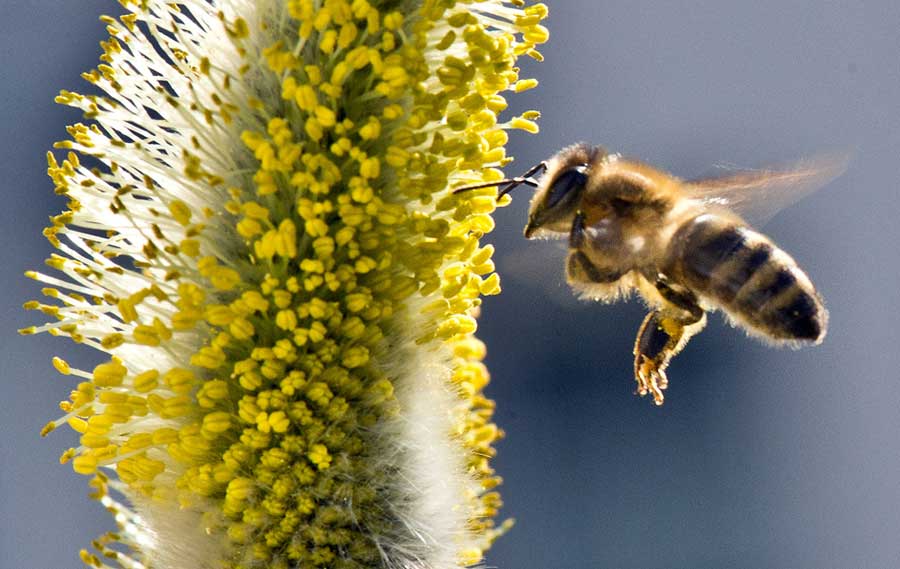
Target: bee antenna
{"points": [[509, 184]]}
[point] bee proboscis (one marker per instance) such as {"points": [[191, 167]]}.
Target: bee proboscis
{"points": [[682, 245]]}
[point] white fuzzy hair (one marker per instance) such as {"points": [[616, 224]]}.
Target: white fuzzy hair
{"points": [[427, 497]]}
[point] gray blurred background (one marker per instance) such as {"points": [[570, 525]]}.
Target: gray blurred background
{"points": [[759, 458]]}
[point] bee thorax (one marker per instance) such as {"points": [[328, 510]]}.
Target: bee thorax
{"points": [[635, 244]]}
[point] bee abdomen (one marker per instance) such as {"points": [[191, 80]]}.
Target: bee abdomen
{"points": [[743, 272]]}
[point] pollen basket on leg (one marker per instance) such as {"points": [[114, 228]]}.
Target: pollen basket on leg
{"points": [[262, 241]]}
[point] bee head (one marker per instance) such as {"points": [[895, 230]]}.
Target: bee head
{"points": [[559, 192]]}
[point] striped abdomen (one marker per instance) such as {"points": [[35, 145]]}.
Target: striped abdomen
{"points": [[745, 274]]}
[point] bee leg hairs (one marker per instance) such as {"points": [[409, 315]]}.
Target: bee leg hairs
{"points": [[664, 332]]}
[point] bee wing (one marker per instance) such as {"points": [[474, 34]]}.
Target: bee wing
{"points": [[540, 267], [757, 195]]}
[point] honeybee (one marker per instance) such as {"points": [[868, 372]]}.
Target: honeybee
{"points": [[681, 245]]}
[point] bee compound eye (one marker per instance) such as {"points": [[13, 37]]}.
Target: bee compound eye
{"points": [[567, 184]]}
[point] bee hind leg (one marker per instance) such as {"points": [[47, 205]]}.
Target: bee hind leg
{"points": [[663, 334]]}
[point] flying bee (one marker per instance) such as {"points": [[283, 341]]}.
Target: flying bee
{"points": [[682, 245]]}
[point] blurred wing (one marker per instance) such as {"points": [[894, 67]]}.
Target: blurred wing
{"points": [[757, 195], [539, 266]]}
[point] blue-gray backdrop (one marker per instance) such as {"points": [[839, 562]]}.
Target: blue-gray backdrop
{"points": [[760, 457]]}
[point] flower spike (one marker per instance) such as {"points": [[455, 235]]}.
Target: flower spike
{"points": [[262, 243]]}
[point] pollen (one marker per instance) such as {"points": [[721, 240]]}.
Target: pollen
{"points": [[282, 284]]}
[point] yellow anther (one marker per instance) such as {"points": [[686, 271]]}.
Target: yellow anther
{"points": [[77, 425], [249, 227], [224, 278], [209, 357], [355, 356], [110, 374], [347, 35], [525, 124], [318, 455], [94, 441], [48, 428], [255, 301], [190, 247], [286, 319], [327, 42], [85, 464], [165, 436], [146, 335], [217, 423], [241, 329], [66, 456], [180, 212], [219, 315], [525, 84], [287, 239], [370, 168], [137, 442], [61, 366], [255, 211], [490, 286], [325, 116], [279, 422], [371, 130], [180, 380], [239, 489], [306, 98]]}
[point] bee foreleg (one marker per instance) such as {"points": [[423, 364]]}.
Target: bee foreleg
{"points": [[663, 334], [576, 234], [580, 269]]}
